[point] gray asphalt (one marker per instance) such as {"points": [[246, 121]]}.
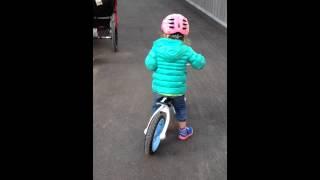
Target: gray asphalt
{"points": [[122, 100]]}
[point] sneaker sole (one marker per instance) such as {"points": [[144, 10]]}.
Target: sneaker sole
{"points": [[185, 138]]}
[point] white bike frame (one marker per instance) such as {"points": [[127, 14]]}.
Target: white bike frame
{"points": [[165, 109]]}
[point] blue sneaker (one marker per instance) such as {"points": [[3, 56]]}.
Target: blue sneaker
{"points": [[185, 133]]}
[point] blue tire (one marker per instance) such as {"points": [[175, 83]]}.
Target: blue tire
{"points": [[152, 138]]}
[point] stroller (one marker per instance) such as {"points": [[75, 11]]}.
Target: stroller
{"points": [[105, 20]]}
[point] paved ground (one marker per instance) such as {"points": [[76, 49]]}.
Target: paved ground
{"points": [[122, 100]]}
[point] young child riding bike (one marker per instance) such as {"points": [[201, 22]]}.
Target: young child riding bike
{"points": [[168, 59]]}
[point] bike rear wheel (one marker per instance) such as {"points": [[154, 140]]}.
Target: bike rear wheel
{"points": [[152, 138], [114, 33]]}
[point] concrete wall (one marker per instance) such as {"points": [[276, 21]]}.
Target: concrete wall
{"points": [[216, 9]]}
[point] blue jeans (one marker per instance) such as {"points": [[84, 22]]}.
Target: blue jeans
{"points": [[178, 102]]}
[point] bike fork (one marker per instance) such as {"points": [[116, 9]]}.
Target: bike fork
{"points": [[164, 109]]}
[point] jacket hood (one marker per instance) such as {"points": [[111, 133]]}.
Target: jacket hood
{"points": [[169, 49]]}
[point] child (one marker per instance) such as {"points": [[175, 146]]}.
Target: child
{"points": [[168, 59]]}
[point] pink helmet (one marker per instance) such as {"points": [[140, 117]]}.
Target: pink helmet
{"points": [[174, 23]]}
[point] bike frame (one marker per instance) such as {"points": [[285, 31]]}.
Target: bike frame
{"points": [[165, 109]]}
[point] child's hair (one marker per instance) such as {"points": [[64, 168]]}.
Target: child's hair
{"points": [[177, 36]]}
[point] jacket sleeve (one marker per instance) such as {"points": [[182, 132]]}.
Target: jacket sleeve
{"points": [[196, 60], [150, 61]]}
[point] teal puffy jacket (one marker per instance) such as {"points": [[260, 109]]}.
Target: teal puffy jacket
{"points": [[168, 59]]}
